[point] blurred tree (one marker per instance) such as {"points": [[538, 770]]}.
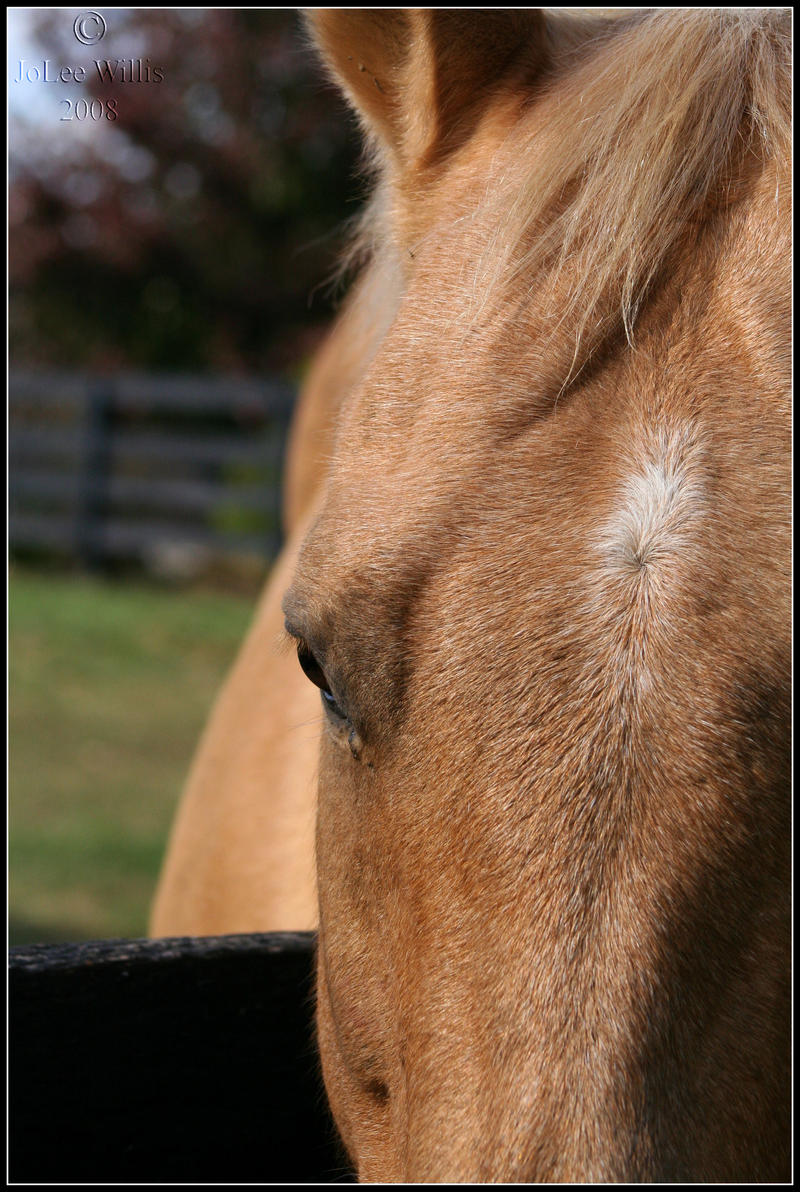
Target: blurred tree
{"points": [[192, 231]]}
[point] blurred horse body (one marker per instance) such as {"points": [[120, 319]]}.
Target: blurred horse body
{"points": [[538, 568]]}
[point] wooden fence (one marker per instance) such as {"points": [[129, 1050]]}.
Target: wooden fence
{"points": [[134, 466], [167, 1061]]}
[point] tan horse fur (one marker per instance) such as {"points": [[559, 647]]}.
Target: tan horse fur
{"points": [[544, 587], [241, 853]]}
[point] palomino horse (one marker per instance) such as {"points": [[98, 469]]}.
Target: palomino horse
{"points": [[540, 477]]}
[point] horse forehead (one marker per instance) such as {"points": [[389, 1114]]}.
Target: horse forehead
{"points": [[430, 429], [437, 476]]}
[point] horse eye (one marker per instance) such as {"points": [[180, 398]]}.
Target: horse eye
{"points": [[314, 672]]}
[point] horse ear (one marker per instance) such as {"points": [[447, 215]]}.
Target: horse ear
{"points": [[365, 50], [419, 78]]}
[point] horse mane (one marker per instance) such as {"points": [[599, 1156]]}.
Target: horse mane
{"points": [[650, 130], [658, 110]]}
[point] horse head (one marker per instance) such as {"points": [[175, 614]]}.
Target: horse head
{"points": [[546, 602]]}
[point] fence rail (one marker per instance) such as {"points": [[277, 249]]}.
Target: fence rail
{"points": [[167, 1061], [115, 468]]}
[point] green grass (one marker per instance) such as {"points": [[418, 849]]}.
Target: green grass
{"points": [[109, 687]]}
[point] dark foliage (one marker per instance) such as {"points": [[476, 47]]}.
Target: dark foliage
{"points": [[193, 230]]}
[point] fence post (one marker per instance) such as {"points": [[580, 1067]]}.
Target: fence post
{"points": [[95, 494], [278, 408]]}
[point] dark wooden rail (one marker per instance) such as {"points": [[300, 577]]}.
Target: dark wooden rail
{"points": [[163, 1061], [114, 468]]}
